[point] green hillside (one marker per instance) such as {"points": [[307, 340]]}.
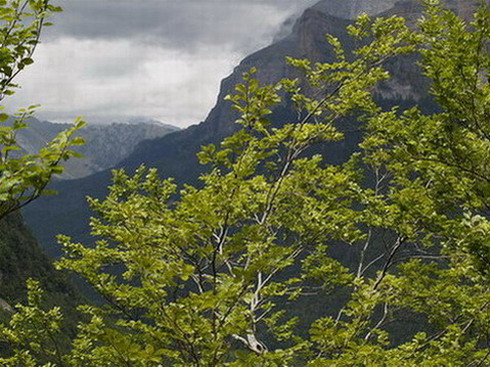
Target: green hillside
{"points": [[20, 259]]}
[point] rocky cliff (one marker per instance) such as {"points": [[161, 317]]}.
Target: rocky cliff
{"points": [[350, 9]]}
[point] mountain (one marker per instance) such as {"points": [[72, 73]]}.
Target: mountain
{"points": [[175, 154], [350, 9], [106, 145]]}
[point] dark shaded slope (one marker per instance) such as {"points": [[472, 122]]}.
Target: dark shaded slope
{"points": [[21, 258]]}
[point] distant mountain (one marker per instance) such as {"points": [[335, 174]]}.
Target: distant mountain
{"points": [[106, 145], [175, 154]]}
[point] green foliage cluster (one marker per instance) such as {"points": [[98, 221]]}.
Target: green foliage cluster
{"points": [[24, 177], [204, 276]]}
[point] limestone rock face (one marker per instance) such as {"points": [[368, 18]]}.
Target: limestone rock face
{"points": [[350, 9], [4, 306]]}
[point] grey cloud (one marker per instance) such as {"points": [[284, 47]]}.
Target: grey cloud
{"points": [[185, 24]]}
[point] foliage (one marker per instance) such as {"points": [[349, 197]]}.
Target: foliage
{"points": [[205, 276], [32, 332], [24, 177]]}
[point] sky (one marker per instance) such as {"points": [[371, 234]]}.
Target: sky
{"points": [[122, 60]]}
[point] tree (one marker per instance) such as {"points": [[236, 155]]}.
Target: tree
{"points": [[206, 276], [23, 177]]}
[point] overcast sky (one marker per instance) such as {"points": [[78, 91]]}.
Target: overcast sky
{"points": [[114, 60]]}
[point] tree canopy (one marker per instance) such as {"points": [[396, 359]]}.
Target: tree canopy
{"points": [[23, 177]]}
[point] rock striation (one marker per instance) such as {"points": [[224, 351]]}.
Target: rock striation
{"points": [[350, 9]]}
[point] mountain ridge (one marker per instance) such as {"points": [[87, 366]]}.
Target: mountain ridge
{"points": [[106, 145]]}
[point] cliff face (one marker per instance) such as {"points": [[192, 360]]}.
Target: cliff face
{"points": [[350, 9], [307, 40]]}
